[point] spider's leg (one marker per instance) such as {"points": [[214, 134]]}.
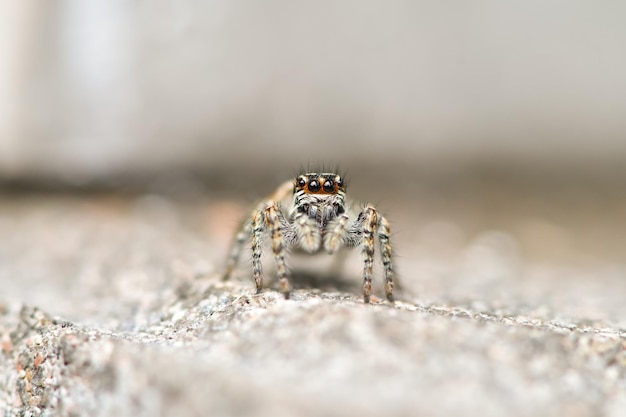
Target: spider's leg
{"points": [[361, 232], [237, 247], [385, 251], [258, 227], [277, 223]]}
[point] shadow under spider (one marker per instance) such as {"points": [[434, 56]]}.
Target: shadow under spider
{"points": [[304, 279]]}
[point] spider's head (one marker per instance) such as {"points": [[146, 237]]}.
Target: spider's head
{"points": [[324, 183], [320, 196]]}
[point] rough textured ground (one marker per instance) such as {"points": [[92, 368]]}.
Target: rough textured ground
{"points": [[112, 305]]}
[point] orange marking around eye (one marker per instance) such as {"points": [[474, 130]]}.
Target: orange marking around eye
{"points": [[306, 187], [321, 180]]}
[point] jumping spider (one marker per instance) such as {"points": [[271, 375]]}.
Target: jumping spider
{"points": [[316, 221]]}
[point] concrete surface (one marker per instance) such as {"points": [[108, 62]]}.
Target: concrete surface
{"points": [[111, 305]]}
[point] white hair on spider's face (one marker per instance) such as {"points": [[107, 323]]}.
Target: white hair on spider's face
{"points": [[321, 197]]}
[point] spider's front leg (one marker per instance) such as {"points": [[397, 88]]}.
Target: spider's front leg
{"points": [[385, 252], [366, 225], [258, 227], [271, 218]]}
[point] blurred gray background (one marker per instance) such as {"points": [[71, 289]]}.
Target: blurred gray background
{"points": [[105, 91]]}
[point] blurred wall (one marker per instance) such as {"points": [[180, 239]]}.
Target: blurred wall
{"points": [[95, 88]]}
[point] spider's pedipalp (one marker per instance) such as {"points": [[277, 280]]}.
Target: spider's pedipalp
{"points": [[307, 232], [336, 233]]}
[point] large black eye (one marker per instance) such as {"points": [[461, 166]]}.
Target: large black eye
{"points": [[301, 182], [329, 186], [314, 186]]}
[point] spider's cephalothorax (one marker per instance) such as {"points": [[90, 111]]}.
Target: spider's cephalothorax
{"points": [[316, 221]]}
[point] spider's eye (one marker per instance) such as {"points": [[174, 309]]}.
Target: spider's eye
{"points": [[340, 183], [329, 186], [301, 182], [314, 186]]}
